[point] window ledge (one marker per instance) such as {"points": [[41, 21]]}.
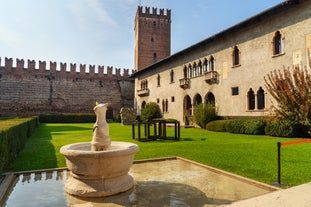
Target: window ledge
{"points": [[277, 55], [257, 110], [236, 66]]}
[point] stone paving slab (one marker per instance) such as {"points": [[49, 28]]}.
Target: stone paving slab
{"points": [[299, 196]]}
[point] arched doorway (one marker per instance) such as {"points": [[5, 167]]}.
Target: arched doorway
{"points": [[143, 104], [197, 99], [210, 98], [109, 113], [187, 109]]}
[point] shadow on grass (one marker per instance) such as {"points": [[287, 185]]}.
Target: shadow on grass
{"points": [[38, 153], [66, 128]]}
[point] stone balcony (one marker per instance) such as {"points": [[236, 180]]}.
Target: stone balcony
{"points": [[143, 92], [210, 77], [184, 83]]}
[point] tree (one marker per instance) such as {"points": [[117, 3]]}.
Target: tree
{"points": [[292, 91]]}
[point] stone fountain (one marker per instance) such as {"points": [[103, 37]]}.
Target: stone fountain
{"points": [[99, 168]]}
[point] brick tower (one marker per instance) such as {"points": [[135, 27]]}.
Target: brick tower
{"points": [[152, 36]]}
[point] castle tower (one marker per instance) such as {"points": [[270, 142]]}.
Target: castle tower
{"points": [[152, 36]]}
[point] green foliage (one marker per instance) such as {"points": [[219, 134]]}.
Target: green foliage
{"points": [[67, 118], [286, 128], [150, 111], [13, 136], [204, 114], [217, 125], [255, 126]]}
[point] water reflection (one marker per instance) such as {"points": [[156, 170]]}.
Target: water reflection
{"points": [[166, 183]]}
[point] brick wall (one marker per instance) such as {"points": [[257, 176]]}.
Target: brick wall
{"points": [[31, 91]]}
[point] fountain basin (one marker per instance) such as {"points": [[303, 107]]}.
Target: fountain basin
{"points": [[99, 173]]}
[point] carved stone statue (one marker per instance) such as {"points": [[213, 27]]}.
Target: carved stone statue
{"points": [[101, 140]]}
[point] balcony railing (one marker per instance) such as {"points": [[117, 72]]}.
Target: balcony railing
{"points": [[143, 92], [184, 83], [211, 77]]}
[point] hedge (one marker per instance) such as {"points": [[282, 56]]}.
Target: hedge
{"points": [[217, 125], [287, 128], [13, 136], [253, 126], [67, 118]]}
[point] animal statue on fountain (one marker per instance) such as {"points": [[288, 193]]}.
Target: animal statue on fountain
{"points": [[101, 140]]}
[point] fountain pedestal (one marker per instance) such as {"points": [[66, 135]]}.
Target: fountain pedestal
{"points": [[99, 168], [99, 173]]}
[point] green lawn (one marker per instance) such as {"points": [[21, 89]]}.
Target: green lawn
{"points": [[250, 156]]}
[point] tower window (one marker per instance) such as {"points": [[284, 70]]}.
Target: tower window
{"points": [[154, 23], [152, 40], [155, 55]]}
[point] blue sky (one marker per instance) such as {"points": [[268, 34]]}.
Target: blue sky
{"points": [[101, 32]]}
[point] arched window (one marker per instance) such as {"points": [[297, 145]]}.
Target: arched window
{"points": [[155, 55], [172, 76], [205, 66], [236, 56], [166, 105], [278, 46], [251, 99], [194, 70], [189, 72], [159, 80], [260, 98], [200, 68], [212, 64], [185, 72], [197, 99]]}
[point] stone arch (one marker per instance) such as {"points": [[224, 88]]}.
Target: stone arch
{"points": [[187, 109], [143, 104], [109, 113], [210, 98], [197, 99]]}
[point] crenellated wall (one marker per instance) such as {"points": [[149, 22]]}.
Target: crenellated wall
{"points": [[32, 88]]}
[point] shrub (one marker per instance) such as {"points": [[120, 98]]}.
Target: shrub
{"points": [[286, 128], [204, 114], [291, 88], [150, 111], [217, 125], [253, 126]]}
